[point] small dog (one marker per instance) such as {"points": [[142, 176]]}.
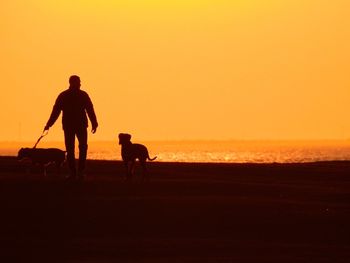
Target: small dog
{"points": [[131, 152], [43, 157]]}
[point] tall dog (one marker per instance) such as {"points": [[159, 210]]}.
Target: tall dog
{"points": [[131, 152], [43, 157]]}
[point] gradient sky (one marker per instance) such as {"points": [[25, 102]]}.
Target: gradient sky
{"points": [[215, 69]]}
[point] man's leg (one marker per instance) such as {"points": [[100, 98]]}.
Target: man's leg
{"points": [[83, 146], [69, 139]]}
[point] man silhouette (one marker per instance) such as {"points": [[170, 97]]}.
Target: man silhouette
{"points": [[74, 103]]}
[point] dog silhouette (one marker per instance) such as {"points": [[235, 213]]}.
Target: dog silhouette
{"points": [[130, 153]]}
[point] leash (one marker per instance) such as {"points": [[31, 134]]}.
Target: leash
{"points": [[45, 132]]}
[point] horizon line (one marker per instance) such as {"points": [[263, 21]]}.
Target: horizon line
{"points": [[192, 140]]}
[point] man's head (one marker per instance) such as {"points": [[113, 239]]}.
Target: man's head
{"points": [[74, 82]]}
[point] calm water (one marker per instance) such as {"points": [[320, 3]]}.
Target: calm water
{"points": [[215, 151]]}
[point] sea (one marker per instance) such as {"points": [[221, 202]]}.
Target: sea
{"points": [[234, 151]]}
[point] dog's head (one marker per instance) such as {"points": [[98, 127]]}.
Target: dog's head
{"points": [[124, 138], [23, 153]]}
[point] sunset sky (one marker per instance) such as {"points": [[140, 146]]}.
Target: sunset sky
{"points": [[186, 69]]}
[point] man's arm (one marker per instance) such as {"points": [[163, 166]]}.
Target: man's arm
{"points": [[55, 113], [91, 113]]}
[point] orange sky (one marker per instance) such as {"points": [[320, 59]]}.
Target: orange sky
{"points": [[235, 69]]}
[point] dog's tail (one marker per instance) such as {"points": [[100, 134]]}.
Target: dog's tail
{"points": [[151, 159]]}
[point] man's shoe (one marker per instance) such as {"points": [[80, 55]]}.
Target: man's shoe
{"points": [[71, 177], [81, 175]]}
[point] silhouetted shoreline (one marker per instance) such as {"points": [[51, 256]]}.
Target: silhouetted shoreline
{"points": [[189, 212]]}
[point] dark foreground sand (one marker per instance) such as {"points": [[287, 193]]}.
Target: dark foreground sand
{"points": [[187, 213]]}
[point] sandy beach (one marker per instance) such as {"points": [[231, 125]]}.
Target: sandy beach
{"points": [[187, 213]]}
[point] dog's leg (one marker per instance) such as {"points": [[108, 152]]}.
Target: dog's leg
{"points": [[45, 172], [132, 169], [28, 169], [126, 171], [58, 167], [45, 168], [144, 171], [129, 166]]}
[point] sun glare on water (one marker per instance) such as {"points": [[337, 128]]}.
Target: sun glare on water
{"points": [[215, 151]]}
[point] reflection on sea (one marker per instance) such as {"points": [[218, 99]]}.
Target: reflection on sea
{"points": [[215, 151]]}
